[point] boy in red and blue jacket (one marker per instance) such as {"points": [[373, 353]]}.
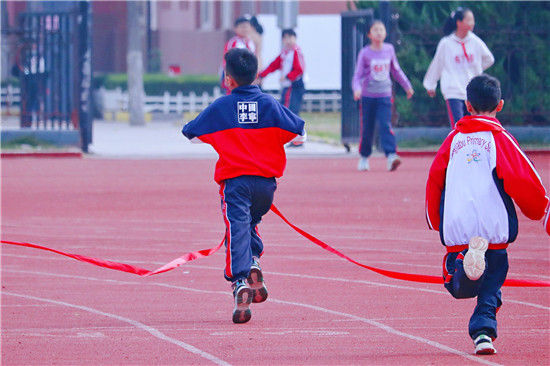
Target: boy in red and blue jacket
{"points": [[476, 174], [248, 129]]}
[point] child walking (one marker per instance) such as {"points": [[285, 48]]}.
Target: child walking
{"points": [[477, 175], [292, 66], [248, 129], [460, 56], [372, 84]]}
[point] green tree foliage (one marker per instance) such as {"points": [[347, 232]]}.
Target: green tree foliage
{"points": [[517, 33]]}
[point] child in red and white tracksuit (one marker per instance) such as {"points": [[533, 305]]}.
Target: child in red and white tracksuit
{"points": [[477, 175], [291, 64], [243, 30]]}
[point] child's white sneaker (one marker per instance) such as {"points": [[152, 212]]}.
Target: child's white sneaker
{"points": [[474, 259], [393, 161], [484, 345], [363, 164]]}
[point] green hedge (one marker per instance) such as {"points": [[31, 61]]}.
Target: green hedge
{"points": [[157, 84], [516, 33]]}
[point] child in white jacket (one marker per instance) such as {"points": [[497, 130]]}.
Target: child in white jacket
{"points": [[459, 57]]}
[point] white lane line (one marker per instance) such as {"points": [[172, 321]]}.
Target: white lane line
{"points": [[307, 306], [154, 332], [390, 330], [337, 279]]}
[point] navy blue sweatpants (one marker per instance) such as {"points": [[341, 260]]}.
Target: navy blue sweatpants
{"points": [[292, 96], [245, 200], [487, 288], [376, 109], [456, 109]]}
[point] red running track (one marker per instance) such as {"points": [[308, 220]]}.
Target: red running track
{"points": [[321, 310]]}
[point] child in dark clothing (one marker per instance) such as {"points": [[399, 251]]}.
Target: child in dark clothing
{"points": [[248, 129]]}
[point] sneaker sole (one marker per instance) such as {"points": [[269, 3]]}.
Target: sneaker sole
{"points": [[256, 282], [486, 351], [474, 259], [243, 299], [395, 164]]}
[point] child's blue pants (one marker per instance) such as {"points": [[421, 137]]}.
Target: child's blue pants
{"points": [[376, 109], [487, 288], [244, 200], [292, 96]]}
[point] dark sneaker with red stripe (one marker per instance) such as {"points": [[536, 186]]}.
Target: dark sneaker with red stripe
{"points": [[242, 294], [256, 281], [484, 345]]}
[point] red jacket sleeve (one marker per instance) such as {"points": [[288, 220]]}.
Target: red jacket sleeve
{"points": [[521, 180], [275, 65], [436, 183], [297, 67]]}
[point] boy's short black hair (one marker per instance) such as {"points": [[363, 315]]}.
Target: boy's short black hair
{"points": [[242, 19], [241, 65], [288, 32], [483, 93]]}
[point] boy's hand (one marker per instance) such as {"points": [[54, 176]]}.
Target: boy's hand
{"points": [[431, 93], [357, 95], [410, 93]]}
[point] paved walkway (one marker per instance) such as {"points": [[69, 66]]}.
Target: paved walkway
{"points": [[164, 140]]}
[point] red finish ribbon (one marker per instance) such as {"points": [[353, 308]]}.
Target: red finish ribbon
{"points": [[191, 256], [397, 275], [187, 257]]}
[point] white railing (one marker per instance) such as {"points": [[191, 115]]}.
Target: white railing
{"points": [[116, 101], [10, 98]]}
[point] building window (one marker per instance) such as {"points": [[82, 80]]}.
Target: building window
{"points": [[206, 15]]}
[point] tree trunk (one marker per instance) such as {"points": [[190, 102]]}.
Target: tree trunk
{"points": [[134, 60]]}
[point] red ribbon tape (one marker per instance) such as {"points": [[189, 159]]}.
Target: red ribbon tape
{"points": [[187, 257], [191, 256], [397, 275]]}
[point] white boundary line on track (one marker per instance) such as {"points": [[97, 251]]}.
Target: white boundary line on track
{"points": [[346, 280], [376, 324], [153, 331]]}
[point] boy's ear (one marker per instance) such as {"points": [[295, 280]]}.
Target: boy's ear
{"points": [[230, 82], [470, 109], [500, 105]]}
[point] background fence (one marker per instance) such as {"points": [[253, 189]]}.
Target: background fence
{"points": [[116, 100]]}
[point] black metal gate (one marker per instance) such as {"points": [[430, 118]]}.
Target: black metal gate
{"points": [[354, 29], [55, 71]]}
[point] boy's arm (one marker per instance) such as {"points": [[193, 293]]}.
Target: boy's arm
{"points": [[434, 70], [297, 67], [521, 180], [292, 126], [194, 129], [398, 73], [274, 65], [436, 183]]}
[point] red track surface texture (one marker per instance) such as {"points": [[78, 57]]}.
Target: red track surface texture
{"points": [[321, 309]]}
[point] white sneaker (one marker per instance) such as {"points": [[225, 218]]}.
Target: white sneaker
{"points": [[393, 162], [363, 164], [484, 345], [474, 260]]}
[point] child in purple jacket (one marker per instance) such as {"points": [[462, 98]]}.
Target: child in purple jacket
{"points": [[372, 84]]}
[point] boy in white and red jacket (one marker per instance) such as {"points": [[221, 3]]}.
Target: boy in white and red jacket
{"points": [[476, 174], [292, 66]]}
